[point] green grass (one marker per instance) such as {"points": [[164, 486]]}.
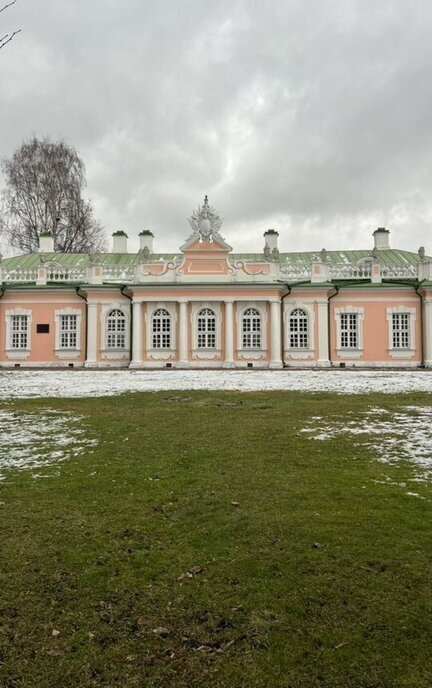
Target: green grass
{"points": [[97, 549]]}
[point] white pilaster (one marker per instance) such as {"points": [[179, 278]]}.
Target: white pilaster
{"points": [[184, 334], [427, 324], [136, 361], [91, 360], [229, 335], [275, 335], [323, 334]]}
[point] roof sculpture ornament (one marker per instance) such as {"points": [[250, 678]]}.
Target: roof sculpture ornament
{"points": [[205, 223]]}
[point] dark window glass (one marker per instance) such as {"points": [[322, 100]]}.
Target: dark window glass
{"points": [[42, 328]]}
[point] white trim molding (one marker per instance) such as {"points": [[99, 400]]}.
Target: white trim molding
{"points": [[111, 353], [210, 353], [401, 352], [349, 352], [299, 353], [62, 352], [258, 353], [12, 353], [156, 354]]}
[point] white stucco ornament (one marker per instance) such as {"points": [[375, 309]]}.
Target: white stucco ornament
{"points": [[205, 222]]}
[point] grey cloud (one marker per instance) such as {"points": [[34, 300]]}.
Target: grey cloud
{"points": [[311, 117]]}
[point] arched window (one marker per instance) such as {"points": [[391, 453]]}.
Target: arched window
{"points": [[251, 329], [161, 329], [206, 329], [299, 329], [116, 329]]}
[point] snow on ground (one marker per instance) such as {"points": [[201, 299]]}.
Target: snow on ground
{"points": [[96, 383], [30, 441], [392, 436]]}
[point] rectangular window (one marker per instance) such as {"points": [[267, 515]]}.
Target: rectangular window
{"points": [[42, 328], [401, 330], [68, 331], [19, 332], [349, 330]]}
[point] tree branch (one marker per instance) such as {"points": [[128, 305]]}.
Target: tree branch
{"points": [[4, 40], [8, 4]]}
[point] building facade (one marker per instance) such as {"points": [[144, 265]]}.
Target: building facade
{"points": [[207, 307]]}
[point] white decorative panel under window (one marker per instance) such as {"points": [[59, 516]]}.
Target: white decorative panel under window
{"points": [[206, 329], [251, 329], [348, 330], [161, 329], [115, 329], [298, 329], [68, 331], [18, 332]]}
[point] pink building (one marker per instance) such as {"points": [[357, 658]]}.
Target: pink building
{"points": [[208, 307]]}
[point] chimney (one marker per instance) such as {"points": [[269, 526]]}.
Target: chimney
{"points": [[271, 239], [119, 242], [146, 240], [381, 238], [46, 243]]}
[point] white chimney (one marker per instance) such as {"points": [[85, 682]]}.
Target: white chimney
{"points": [[271, 239], [146, 240], [46, 243], [119, 242], [381, 238]]}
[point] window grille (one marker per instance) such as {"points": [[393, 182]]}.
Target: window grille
{"points": [[161, 329], [401, 330], [251, 329], [19, 331], [116, 329], [206, 327], [349, 330], [68, 331], [299, 331]]}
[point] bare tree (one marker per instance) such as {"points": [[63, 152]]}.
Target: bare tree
{"points": [[7, 37], [43, 193]]}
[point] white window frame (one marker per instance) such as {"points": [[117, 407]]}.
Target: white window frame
{"points": [[294, 312], [62, 352], [303, 352], [349, 352], [401, 352], [12, 353], [110, 352], [196, 308], [166, 316], [152, 307], [263, 314]]}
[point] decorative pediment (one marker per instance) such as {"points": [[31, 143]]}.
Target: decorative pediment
{"points": [[205, 223]]}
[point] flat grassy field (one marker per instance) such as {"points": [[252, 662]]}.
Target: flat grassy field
{"points": [[206, 541]]}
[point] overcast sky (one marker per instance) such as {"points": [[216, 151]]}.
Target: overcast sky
{"points": [[313, 117]]}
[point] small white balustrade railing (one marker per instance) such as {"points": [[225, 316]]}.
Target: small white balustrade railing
{"points": [[350, 271], [19, 275], [60, 274], [116, 273]]}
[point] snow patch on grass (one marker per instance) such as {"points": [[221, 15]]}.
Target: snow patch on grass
{"points": [[38, 440], [392, 435], [96, 383]]}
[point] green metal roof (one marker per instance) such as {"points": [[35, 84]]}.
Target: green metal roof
{"points": [[387, 257]]}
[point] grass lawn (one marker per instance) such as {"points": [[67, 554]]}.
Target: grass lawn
{"points": [[207, 542]]}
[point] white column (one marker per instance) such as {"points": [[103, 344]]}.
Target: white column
{"points": [[427, 338], [136, 361], [91, 360], [323, 334], [229, 335], [183, 334], [275, 335]]}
